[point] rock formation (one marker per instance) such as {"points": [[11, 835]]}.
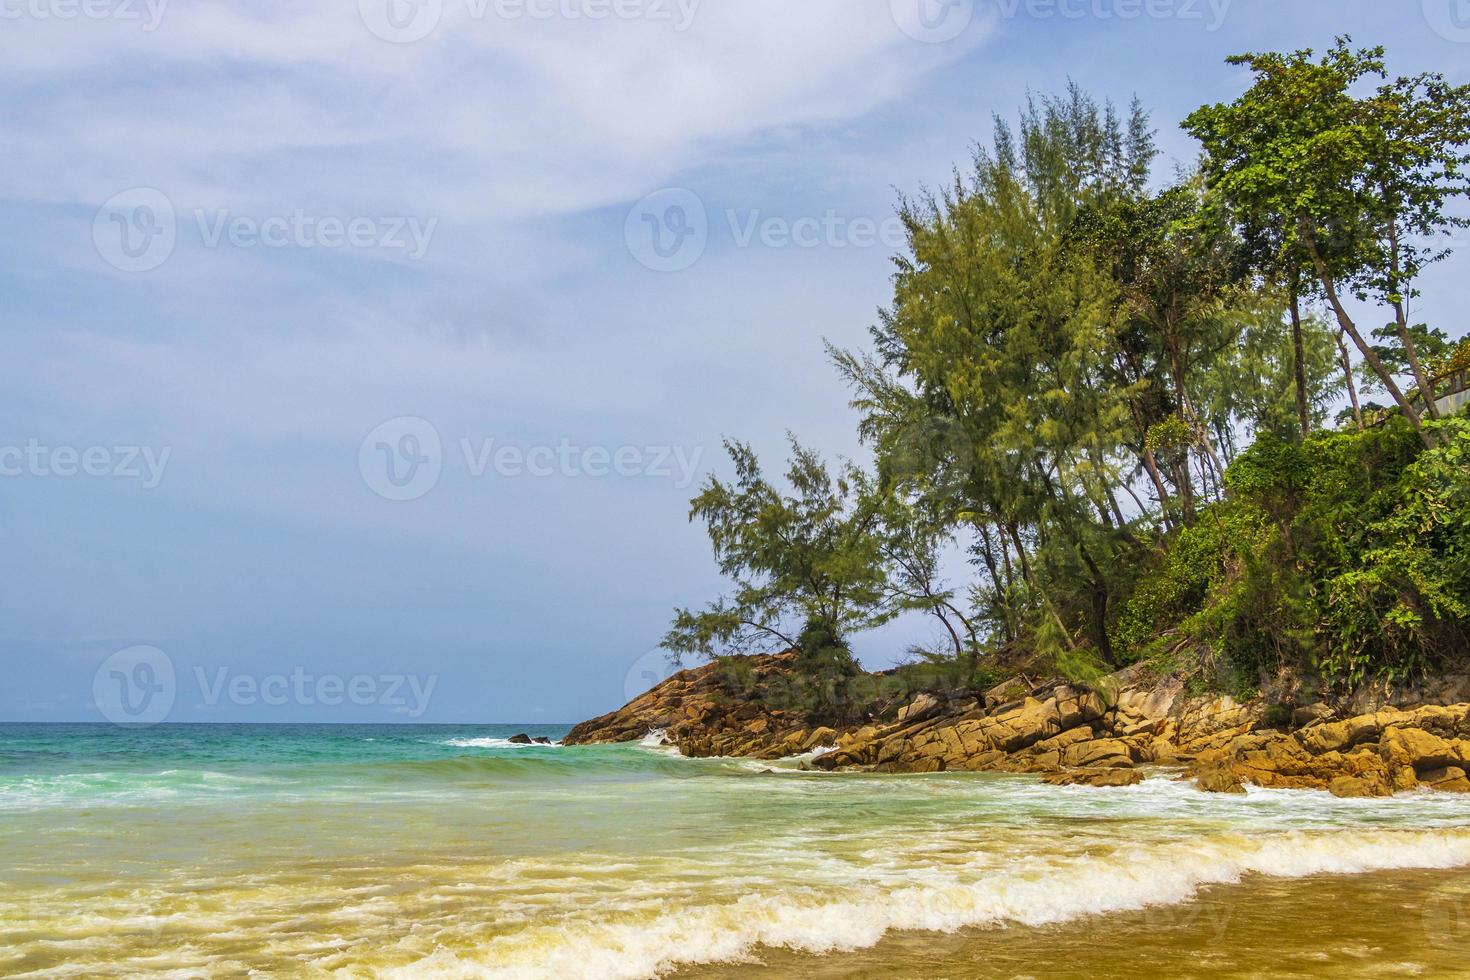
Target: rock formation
{"points": [[1070, 734]]}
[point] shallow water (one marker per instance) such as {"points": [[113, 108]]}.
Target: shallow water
{"points": [[443, 851]]}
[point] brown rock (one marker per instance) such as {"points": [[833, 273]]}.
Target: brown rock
{"points": [[1218, 779], [1349, 786], [1328, 737], [1310, 713], [983, 761], [1449, 779], [1094, 777], [924, 706], [1076, 707], [1100, 752], [1417, 748]]}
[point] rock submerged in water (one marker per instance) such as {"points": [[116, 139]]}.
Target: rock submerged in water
{"points": [[520, 738], [1094, 777], [1069, 734]]}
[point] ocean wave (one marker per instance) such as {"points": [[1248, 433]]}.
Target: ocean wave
{"points": [[578, 762], [121, 788], [496, 743], [1033, 891]]}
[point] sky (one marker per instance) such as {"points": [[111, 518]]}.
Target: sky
{"points": [[361, 356]]}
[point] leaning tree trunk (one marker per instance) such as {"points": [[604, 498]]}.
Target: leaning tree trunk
{"points": [[1351, 329], [1347, 377], [1299, 353]]}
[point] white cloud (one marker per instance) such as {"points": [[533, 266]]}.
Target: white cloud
{"points": [[485, 119]]}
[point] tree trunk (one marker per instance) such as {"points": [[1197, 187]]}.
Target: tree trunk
{"points": [[1347, 377], [1299, 353], [1151, 465], [1186, 404], [1008, 604], [1351, 329], [1401, 319]]}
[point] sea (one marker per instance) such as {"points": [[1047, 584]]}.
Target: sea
{"points": [[448, 851]]}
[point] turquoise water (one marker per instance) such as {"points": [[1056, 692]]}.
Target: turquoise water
{"points": [[217, 850]]}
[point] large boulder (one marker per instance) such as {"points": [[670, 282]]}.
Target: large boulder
{"points": [[1098, 753], [1417, 748], [1094, 777], [924, 706]]}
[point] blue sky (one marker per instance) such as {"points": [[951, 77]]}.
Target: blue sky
{"points": [[252, 243]]}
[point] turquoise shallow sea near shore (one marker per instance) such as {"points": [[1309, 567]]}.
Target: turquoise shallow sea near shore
{"points": [[215, 850]]}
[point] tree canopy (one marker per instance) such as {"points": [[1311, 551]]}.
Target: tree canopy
{"points": [[1108, 391]]}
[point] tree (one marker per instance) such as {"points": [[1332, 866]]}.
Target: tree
{"points": [[808, 565], [1354, 183]]}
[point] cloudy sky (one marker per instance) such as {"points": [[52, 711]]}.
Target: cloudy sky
{"points": [[384, 339]]}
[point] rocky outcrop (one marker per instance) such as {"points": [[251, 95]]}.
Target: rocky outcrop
{"points": [[1069, 734], [697, 703], [1375, 754]]}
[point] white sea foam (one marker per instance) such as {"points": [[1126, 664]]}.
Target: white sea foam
{"points": [[1036, 891], [497, 743]]}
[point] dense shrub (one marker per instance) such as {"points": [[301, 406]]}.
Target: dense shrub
{"points": [[1347, 556]]}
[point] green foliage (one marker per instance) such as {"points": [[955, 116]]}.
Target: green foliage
{"points": [[1353, 186], [1104, 391], [1347, 555], [811, 557]]}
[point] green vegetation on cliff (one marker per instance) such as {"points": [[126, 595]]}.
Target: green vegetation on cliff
{"points": [[1111, 394]]}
